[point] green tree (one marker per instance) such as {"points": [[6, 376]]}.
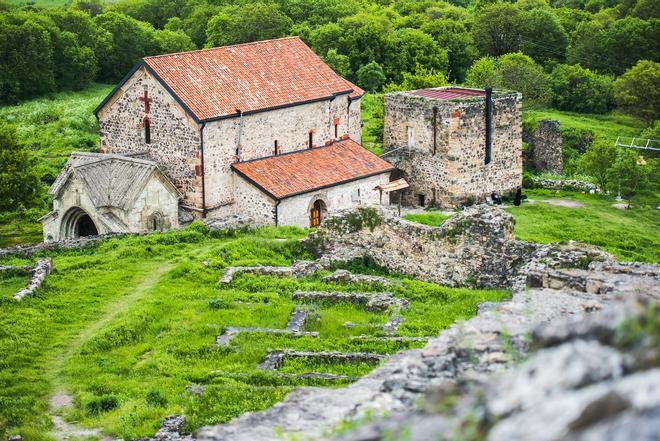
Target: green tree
{"points": [[91, 7], [250, 22], [520, 73], [627, 175], [417, 48], [544, 38], [456, 39], [196, 23], [580, 90], [638, 90], [371, 76], [339, 63], [168, 42], [498, 29], [422, 78], [26, 62], [483, 73], [629, 40], [19, 183], [131, 40], [597, 160]]}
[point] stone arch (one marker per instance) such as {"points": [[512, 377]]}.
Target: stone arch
{"points": [[156, 221], [318, 211], [77, 223]]}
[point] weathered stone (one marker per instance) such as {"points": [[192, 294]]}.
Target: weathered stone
{"points": [[377, 301], [546, 147], [274, 359], [565, 184], [231, 332], [36, 277], [297, 320], [343, 276]]}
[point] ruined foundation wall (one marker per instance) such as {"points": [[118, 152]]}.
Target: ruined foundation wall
{"points": [[456, 170]]}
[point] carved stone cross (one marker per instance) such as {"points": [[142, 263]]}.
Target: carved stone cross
{"points": [[146, 100]]}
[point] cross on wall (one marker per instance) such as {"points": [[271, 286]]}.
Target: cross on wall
{"points": [[146, 100]]}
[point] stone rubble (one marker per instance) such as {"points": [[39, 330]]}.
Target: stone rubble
{"points": [[297, 320], [274, 359], [299, 268], [36, 277], [467, 361], [229, 222], [231, 332], [546, 147], [563, 184], [346, 277], [377, 301]]}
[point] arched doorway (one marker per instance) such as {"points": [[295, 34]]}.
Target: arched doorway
{"points": [[317, 213], [77, 223]]}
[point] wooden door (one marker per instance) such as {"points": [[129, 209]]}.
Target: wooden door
{"points": [[315, 215]]}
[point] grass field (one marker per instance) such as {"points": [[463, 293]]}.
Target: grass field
{"points": [[607, 126], [57, 125], [632, 234], [432, 218], [125, 327]]}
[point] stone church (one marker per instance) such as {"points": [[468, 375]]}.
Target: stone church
{"points": [[264, 130]]}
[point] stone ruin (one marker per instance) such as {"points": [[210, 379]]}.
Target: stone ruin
{"points": [[36, 276], [572, 299], [545, 147]]}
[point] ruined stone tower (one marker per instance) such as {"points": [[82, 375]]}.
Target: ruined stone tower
{"points": [[454, 145]]}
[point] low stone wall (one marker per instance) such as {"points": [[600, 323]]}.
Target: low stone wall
{"points": [[565, 184], [36, 277], [476, 247]]}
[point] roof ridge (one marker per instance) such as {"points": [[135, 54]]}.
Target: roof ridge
{"points": [[209, 49]]}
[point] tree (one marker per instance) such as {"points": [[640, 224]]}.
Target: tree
{"points": [[483, 73], [168, 42], [423, 78], [26, 62], [597, 160], [498, 29], [580, 90], [629, 40], [19, 183], [91, 7], [131, 40], [520, 73], [455, 38], [417, 48], [627, 175], [339, 63], [196, 23], [544, 38], [638, 91], [250, 22], [371, 76]]}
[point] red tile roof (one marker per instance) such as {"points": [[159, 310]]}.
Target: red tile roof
{"points": [[214, 83], [448, 93], [307, 170]]}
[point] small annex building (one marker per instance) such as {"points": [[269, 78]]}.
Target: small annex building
{"points": [[264, 130], [105, 193]]}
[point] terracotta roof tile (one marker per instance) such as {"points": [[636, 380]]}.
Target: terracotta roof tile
{"points": [[216, 82], [307, 170]]}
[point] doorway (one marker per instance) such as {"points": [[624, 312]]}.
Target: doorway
{"points": [[316, 213]]}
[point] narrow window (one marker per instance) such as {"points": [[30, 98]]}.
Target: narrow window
{"points": [[147, 130], [422, 200], [411, 137], [336, 130], [311, 139], [276, 151]]}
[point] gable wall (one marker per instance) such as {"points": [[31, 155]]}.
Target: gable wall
{"points": [[174, 135], [289, 126]]}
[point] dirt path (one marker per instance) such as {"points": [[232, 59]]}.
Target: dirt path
{"points": [[60, 400]]}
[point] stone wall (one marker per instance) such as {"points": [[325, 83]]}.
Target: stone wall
{"points": [[295, 210], [175, 138], [475, 248], [546, 147], [456, 171], [290, 127], [253, 202]]}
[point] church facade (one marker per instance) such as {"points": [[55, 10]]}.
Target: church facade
{"points": [[235, 130]]}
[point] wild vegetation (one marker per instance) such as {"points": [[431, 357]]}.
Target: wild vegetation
{"points": [[128, 328]]}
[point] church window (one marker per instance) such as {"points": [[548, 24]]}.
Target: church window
{"points": [[276, 150], [310, 142], [411, 137], [146, 123]]}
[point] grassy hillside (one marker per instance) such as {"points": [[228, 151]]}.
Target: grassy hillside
{"points": [[54, 126], [127, 326]]}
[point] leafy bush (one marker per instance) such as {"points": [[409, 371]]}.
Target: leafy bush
{"points": [[638, 92], [580, 90], [156, 399], [219, 304], [101, 404]]}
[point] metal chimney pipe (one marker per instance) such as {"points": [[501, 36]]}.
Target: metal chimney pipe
{"points": [[489, 124]]}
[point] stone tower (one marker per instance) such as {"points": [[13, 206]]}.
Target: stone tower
{"points": [[454, 145]]}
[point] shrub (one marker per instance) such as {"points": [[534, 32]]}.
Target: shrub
{"points": [[156, 399], [637, 90], [219, 304], [580, 90], [101, 404]]}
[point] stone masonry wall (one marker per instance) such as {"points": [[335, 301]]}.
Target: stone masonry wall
{"points": [[175, 137], [546, 147], [295, 210], [290, 127], [253, 202], [456, 172]]}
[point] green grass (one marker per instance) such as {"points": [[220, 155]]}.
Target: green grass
{"points": [[20, 231], [430, 218], [125, 326], [54, 126], [632, 235], [607, 126], [11, 282]]}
